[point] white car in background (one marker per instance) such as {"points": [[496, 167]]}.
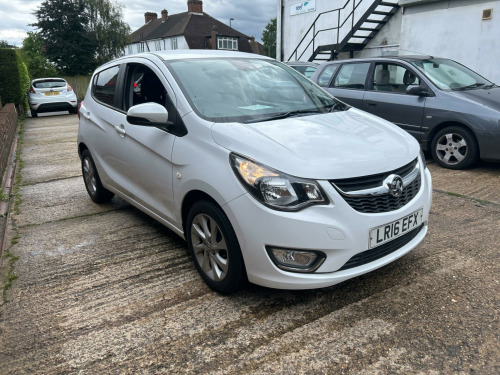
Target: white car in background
{"points": [[51, 95], [266, 175]]}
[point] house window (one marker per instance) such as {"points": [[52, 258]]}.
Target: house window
{"points": [[129, 49], [157, 45], [227, 43], [173, 43]]}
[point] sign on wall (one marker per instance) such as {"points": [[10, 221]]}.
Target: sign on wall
{"points": [[302, 7]]}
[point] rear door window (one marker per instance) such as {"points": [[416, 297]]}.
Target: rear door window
{"points": [[105, 85], [352, 76]]}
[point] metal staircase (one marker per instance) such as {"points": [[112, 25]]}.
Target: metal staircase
{"points": [[352, 33]]}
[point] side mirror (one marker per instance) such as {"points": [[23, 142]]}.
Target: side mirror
{"points": [[417, 90], [148, 114]]}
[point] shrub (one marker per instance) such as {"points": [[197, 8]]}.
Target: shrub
{"points": [[14, 78]]}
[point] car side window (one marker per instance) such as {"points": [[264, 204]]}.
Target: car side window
{"points": [[326, 75], [143, 86], [105, 85], [352, 76], [393, 78]]}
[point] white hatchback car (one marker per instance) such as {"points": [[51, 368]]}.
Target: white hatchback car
{"points": [[267, 176], [51, 95]]}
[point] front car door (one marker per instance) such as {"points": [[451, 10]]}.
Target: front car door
{"points": [[386, 97]]}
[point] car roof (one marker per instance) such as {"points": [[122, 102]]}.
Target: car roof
{"points": [[193, 54], [407, 58], [309, 63]]}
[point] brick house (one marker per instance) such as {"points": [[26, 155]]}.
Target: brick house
{"points": [[193, 29]]}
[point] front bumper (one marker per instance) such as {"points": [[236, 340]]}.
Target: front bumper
{"points": [[335, 229]]}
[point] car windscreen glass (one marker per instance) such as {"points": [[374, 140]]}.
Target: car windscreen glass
{"points": [[450, 75], [49, 84], [243, 90]]}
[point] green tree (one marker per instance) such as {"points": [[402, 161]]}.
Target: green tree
{"points": [[32, 53], [69, 43], [110, 32], [269, 38], [4, 44]]}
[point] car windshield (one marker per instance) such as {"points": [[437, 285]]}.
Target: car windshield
{"points": [[49, 83], [450, 75], [248, 90]]}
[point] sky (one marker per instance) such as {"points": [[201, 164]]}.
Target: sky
{"points": [[250, 16]]}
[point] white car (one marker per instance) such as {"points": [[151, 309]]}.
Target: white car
{"points": [[51, 95], [267, 176]]}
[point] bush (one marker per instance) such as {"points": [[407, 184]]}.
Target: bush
{"points": [[14, 78]]}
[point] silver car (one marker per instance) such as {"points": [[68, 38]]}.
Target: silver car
{"points": [[51, 95], [452, 111]]}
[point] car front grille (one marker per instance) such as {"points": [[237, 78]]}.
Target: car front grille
{"points": [[381, 251], [352, 190]]}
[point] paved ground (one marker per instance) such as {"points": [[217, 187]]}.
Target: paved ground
{"points": [[107, 290]]}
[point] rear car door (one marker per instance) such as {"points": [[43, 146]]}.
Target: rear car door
{"points": [[349, 83], [386, 97]]}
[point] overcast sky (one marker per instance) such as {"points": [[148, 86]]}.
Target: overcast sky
{"points": [[250, 16]]}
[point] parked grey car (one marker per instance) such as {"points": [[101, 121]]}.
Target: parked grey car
{"points": [[452, 111], [304, 67]]}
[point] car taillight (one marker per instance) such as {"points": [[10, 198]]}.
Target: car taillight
{"points": [[70, 88], [32, 90], [78, 112]]}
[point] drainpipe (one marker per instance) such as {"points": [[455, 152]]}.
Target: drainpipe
{"points": [[279, 31]]}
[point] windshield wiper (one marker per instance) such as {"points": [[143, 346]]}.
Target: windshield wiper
{"points": [[283, 115], [474, 85]]}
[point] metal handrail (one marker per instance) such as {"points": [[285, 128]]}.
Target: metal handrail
{"points": [[315, 33]]}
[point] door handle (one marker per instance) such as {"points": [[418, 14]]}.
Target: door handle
{"points": [[86, 115], [371, 104], [120, 129]]}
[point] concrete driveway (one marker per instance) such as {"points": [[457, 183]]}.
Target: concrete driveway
{"points": [[107, 290]]}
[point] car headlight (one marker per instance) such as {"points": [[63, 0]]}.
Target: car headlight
{"points": [[275, 189]]}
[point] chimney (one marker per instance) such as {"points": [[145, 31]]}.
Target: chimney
{"points": [[150, 16], [164, 15], [195, 6], [213, 39]]}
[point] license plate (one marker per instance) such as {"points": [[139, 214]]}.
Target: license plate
{"points": [[51, 93], [390, 231]]}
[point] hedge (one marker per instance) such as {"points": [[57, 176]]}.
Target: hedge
{"points": [[14, 78]]}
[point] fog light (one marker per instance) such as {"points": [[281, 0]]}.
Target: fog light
{"points": [[296, 260]]}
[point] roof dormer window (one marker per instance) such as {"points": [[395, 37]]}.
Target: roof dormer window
{"points": [[224, 42]]}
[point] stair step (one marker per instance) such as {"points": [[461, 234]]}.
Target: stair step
{"points": [[375, 21], [385, 3], [382, 13], [362, 36], [366, 29]]}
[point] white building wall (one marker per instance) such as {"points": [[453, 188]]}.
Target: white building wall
{"points": [[294, 27], [452, 29], [455, 30]]}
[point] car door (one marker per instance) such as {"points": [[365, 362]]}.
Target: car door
{"points": [[349, 83], [386, 97], [140, 156]]}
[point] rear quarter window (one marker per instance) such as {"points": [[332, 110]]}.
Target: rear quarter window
{"points": [[326, 75], [105, 85]]}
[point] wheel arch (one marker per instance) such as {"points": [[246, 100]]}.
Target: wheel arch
{"points": [[81, 147], [190, 199], [432, 133]]}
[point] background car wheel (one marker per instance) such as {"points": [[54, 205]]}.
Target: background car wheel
{"points": [[73, 111], [214, 248], [34, 113], [92, 181], [454, 147]]}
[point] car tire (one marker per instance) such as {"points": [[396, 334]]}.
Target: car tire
{"points": [[214, 248], [92, 181], [454, 147], [73, 111], [34, 113]]}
